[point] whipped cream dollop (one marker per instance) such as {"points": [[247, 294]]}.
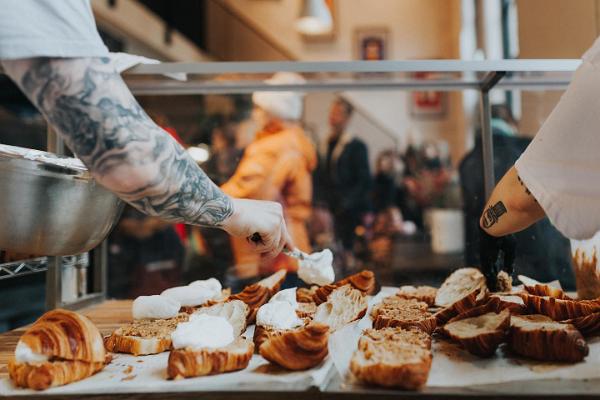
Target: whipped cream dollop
{"points": [[203, 331], [286, 295], [190, 295], [24, 354], [155, 307], [211, 285], [278, 315], [317, 268]]}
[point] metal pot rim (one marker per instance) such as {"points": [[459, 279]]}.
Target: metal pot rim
{"points": [[43, 161]]}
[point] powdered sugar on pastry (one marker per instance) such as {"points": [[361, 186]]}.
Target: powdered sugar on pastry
{"points": [[203, 331], [317, 268], [155, 307], [278, 315]]}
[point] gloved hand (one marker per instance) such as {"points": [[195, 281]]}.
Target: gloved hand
{"points": [[261, 223], [489, 252]]}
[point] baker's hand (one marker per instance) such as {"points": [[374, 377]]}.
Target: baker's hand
{"points": [[261, 223], [490, 249]]}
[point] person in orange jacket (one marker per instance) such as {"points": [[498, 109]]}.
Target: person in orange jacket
{"points": [[276, 166]]}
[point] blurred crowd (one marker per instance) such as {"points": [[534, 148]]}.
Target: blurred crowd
{"points": [[331, 196], [331, 199]]}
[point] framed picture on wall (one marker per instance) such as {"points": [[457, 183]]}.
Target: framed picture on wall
{"points": [[427, 104], [372, 43]]}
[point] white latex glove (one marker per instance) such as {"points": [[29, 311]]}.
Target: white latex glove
{"points": [[261, 223]]}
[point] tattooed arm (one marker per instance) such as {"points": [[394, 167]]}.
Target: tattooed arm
{"points": [[89, 105], [511, 207]]}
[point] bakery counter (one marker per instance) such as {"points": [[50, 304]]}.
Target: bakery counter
{"points": [[112, 314]]}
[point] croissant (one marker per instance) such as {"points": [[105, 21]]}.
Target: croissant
{"points": [[542, 289], [254, 296], [496, 304], [306, 310], [186, 363], [559, 309], [541, 338], [66, 335], [297, 349], [363, 281], [73, 345], [588, 325], [479, 335], [49, 374], [263, 333], [273, 282]]}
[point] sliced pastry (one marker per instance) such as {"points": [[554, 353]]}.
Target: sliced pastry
{"points": [[297, 349], [144, 336], [480, 335], [274, 318], [404, 313], [400, 360], [476, 297], [344, 305], [399, 335], [207, 345], [259, 293], [540, 338], [363, 281], [425, 294], [59, 348], [305, 295], [458, 285], [235, 311]]}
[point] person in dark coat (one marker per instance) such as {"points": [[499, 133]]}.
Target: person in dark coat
{"points": [[542, 252], [343, 178]]}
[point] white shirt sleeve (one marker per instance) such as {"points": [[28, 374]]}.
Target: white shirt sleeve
{"points": [[561, 166], [48, 28]]}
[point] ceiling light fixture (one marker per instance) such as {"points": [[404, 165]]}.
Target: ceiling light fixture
{"points": [[315, 18]]}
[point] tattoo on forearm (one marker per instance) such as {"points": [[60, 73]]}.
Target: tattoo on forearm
{"points": [[88, 103], [493, 214]]}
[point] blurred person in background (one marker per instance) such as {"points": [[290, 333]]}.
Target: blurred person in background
{"points": [[427, 182], [276, 166], [209, 253], [343, 180]]}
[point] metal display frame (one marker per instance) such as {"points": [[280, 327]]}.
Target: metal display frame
{"points": [[481, 76]]}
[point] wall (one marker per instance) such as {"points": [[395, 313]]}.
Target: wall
{"points": [[418, 29], [553, 29]]}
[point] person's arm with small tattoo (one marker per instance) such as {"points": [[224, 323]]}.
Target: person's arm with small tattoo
{"points": [[511, 207]]}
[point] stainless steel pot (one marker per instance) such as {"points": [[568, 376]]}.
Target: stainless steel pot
{"points": [[51, 205]]}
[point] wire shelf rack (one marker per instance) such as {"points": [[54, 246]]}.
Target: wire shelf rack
{"points": [[23, 267]]}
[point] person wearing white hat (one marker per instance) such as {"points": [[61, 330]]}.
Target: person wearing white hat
{"points": [[276, 166], [557, 175], [53, 52]]}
